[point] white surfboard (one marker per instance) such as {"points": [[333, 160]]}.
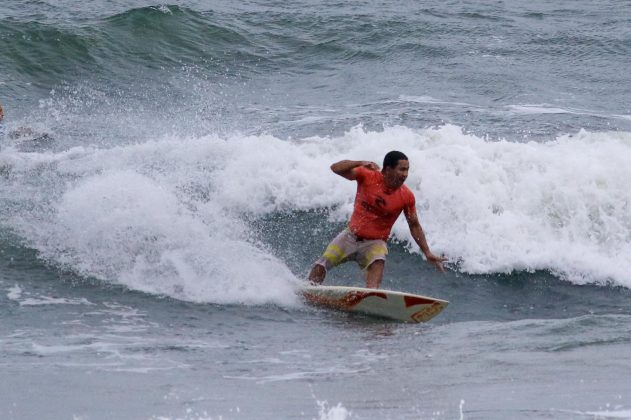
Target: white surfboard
{"points": [[377, 302]]}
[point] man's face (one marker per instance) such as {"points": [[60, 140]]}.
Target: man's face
{"points": [[395, 177]]}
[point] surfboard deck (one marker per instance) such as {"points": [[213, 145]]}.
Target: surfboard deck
{"points": [[383, 303]]}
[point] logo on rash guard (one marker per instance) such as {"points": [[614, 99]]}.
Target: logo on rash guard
{"points": [[379, 208]]}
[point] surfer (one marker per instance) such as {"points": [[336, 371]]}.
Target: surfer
{"points": [[380, 199]]}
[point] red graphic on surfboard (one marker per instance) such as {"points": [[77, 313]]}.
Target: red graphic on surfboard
{"points": [[347, 301], [377, 302]]}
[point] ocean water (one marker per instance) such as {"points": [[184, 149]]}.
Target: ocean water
{"points": [[165, 187]]}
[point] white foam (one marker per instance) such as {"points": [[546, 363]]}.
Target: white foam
{"points": [[300, 375], [145, 237], [337, 412], [603, 414], [48, 300], [539, 109], [16, 294], [431, 100], [169, 216], [543, 109], [622, 414], [499, 206], [193, 415]]}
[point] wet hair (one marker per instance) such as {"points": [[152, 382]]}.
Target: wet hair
{"points": [[392, 159]]}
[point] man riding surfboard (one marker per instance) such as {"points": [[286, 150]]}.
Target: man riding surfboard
{"points": [[380, 199]]}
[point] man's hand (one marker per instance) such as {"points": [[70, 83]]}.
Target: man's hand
{"points": [[370, 165], [437, 261]]}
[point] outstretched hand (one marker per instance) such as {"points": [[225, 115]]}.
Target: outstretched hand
{"points": [[437, 261]]}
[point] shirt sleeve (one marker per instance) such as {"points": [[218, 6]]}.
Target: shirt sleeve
{"points": [[361, 173]]}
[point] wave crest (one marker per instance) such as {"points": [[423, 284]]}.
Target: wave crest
{"points": [[171, 216]]}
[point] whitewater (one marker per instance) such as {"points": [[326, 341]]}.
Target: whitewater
{"points": [[167, 216]]}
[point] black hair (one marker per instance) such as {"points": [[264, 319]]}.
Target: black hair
{"points": [[392, 159]]}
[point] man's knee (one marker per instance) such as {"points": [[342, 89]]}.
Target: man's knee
{"points": [[374, 274], [376, 265]]}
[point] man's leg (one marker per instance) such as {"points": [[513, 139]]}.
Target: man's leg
{"points": [[335, 253], [374, 274], [372, 258], [317, 274]]}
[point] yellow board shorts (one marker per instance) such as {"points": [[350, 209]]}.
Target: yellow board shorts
{"points": [[348, 247]]}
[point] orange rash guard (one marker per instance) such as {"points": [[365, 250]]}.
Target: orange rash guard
{"points": [[376, 207]]}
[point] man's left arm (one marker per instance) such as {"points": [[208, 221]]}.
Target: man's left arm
{"points": [[419, 237]]}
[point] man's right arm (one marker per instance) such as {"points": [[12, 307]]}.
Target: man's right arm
{"points": [[345, 167]]}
